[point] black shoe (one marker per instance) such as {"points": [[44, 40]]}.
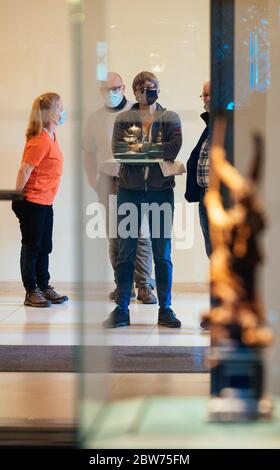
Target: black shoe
{"points": [[166, 317], [118, 317], [146, 295], [53, 296], [36, 298], [114, 294]]}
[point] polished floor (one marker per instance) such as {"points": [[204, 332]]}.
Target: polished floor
{"points": [[53, 397], [77, 322], [114, 410]]}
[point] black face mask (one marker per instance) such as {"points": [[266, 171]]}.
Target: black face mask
{"points": [[151, 96]]}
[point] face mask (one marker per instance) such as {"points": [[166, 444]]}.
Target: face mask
{"points": [[62, 118], [148, 96], [113, 99], [151, 96]]}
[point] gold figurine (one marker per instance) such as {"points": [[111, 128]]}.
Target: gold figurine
{"points": [[235, 236]]}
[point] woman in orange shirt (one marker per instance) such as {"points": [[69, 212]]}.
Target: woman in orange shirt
{"points": [[38, 178]]}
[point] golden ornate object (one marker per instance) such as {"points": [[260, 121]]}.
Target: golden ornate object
{"points": [[239, 331]]}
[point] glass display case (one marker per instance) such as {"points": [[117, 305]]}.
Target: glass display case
{"points": [[142, 385]]}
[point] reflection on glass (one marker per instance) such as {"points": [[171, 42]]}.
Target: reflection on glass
{"points": [[254, 49], [101, 61]]}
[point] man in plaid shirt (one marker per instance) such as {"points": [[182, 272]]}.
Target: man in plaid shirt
{"points": [[197, 181], [203, 166], [202, 173]]}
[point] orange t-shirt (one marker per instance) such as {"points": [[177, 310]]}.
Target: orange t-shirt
{"points": [[44, 154]]}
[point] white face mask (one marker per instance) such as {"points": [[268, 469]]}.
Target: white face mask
{"points": [[113, 99]]}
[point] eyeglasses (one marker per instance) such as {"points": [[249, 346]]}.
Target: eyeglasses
{"points": [[113, 88], [204, 95]]}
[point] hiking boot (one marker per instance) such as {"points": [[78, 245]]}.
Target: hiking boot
{"points": [[118, 317], [114, 294], [146, 295], [205, 324], [166, 317], [53, 296], [36, 298]]}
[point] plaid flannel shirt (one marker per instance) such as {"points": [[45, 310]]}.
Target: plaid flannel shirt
{"points": [[203, 164]]}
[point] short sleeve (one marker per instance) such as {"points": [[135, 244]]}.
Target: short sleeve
{"points": [[35, 150]]}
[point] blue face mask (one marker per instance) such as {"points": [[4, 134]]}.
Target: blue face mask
{"points": [[62, 119], [113, 99]]}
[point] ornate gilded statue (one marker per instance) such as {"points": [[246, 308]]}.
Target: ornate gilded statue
{"points": [[237, 320]]}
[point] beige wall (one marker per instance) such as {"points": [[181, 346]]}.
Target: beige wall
{"points": [[35, 54], [36, 51]]}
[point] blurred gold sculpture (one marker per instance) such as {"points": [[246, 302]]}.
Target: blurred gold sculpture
{"points": [[235, 236]]}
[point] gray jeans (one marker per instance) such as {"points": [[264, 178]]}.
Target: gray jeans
{"points": [[106, 186], [204, 224]]}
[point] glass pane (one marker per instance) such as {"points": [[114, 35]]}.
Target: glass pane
{"points": [[37, 47], [171, 40], [256, 88]]}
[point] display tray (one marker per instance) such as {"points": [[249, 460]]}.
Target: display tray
{"points": [[137, 161], [129, 155], [153, 156]]}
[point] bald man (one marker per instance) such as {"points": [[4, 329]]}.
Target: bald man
{"points": [[103, 178]]}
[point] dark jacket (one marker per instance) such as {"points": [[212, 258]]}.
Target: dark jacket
{"points": [[168, 125], [193, 190]]}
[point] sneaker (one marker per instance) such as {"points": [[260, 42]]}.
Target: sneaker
{"points": [[146, 295], [53, 296], [166, 317], [36, 298], [114, 294], [118, 317]]}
